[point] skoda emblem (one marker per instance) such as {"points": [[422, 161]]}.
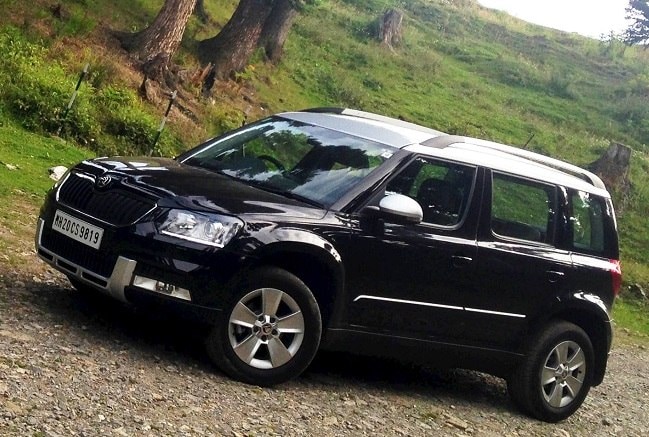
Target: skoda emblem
{"points": [[103, 181]]}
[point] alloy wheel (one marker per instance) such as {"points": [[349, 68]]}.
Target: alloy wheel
{"points": [[266, 328]]}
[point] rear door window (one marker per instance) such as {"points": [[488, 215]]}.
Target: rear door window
{"points": [[522, 209]]}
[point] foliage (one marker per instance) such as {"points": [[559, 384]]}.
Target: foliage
{"points": [[37, 92], [638, 31]]}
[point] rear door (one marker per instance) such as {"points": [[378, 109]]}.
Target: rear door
{"points": [[520, 271]]}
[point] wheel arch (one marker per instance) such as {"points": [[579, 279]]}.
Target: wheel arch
{"points": [[319, 268], [597, 326], [600, 334]]}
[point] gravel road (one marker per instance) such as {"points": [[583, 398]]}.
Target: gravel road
{"points": [[72, 365]]}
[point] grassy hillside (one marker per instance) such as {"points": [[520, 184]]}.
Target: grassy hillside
{"points": [[462, 69]]}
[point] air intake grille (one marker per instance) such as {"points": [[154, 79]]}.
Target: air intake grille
{"points": [[97, 262], [115, 206]]}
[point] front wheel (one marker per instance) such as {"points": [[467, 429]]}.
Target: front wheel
{"points": [[555, 377], [270, 331]]}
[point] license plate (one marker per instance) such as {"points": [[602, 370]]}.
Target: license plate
{"points": [[77, 229]]}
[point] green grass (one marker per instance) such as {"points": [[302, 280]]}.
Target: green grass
{"points": [[33, 155], [632, 315]]}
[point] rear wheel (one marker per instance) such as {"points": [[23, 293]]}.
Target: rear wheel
{"points": [[270, 331], [555, 377]]}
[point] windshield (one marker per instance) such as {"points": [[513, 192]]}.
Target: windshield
{"points": [[310, 162]]}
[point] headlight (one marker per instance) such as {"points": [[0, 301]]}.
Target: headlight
{"points": [[214, 230]]}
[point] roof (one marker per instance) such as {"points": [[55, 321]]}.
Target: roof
{"points": [[374, 130], [420, 139]]}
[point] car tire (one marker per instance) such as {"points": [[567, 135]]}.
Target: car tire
{"points": [[269, 332], [555, 376]]}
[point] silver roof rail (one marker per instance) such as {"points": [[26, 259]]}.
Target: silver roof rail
{"points": [[442, 139], [586, 175]]}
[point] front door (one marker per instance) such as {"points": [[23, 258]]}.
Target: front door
{"points": [[408, 280]]}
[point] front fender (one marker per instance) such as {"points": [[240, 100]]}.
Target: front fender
{"points": [[312, 258]]}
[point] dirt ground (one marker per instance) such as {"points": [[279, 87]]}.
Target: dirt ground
{"points": [[71, 364]]}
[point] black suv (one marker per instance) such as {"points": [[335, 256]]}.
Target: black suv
{"points": [[344, 230]]}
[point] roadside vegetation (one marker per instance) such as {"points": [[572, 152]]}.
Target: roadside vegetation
{"points": [[461, 68]]}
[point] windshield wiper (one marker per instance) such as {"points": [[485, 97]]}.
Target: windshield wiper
{"points": [[288, 194]]}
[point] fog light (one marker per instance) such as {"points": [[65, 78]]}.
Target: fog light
{"points": [[162, 288]]}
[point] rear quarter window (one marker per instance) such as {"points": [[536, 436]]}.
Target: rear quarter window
{"points": [[590, 224]]}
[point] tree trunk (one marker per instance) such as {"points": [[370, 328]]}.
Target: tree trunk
{"points": [[156, 44], [276, 29], [230, 50], [201, 13], [613, 167], [390, 28]]}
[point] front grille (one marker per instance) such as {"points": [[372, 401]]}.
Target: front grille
{"points": [[115, 206], [100, 263]]}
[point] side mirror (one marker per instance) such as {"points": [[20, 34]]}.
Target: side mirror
{"points": [[400, 209]]}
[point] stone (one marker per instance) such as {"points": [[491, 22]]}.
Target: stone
{"points": [[56, 173]]}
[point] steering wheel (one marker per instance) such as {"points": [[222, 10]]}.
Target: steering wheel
{"points": [[273, 161]]}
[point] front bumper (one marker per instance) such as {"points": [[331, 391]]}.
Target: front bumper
{"points": [[129, 255], [114, 285]]}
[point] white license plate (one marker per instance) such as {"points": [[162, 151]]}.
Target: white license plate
{"points": [[78, 230]]}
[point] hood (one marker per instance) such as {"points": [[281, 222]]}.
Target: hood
{"points": [[176, 185]]}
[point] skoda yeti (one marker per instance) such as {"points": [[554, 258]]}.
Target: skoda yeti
{"points": [[349, 231]]}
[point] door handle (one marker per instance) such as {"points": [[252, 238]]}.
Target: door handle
{"points": [[461, 261], [555, 276]]}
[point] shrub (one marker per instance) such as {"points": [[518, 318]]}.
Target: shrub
{"points": [[38, 94]]}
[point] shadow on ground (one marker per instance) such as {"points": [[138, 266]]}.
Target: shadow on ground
{"points": [[98, 321]]}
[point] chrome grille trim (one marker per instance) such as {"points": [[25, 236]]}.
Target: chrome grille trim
{"points": [[77, 192]]}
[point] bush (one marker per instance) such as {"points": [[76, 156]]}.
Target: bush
{"points": [[38, 94], [110, 120]]}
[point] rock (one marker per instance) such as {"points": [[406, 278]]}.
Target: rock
{"points": [[13, 408], [120, 432], [613, 167], [56, 173], [457, 423], [11, 167], [330, 421], [637, 291], [17, 336]]}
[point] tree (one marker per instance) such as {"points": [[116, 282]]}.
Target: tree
{"points": [[230, 50], [254, 24], [155, 45], [391, 28], [201, 12], [638, 31], [277, 26]]}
